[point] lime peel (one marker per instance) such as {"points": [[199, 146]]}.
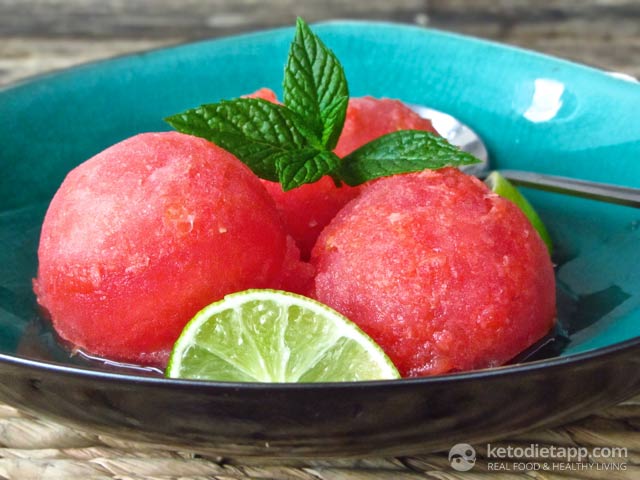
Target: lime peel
{"points": [[503, 187], [275, 336]]}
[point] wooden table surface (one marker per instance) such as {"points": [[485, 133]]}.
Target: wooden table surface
{"points": [[42, 35]]}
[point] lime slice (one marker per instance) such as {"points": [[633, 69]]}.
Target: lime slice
{"points": [[500, 185], [274, 336]]}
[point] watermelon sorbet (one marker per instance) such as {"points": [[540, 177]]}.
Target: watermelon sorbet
{"points": [[143, 235], [306, 210], [444, 274]]}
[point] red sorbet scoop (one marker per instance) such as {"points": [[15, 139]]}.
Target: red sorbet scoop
{"points": [[145, 234], [444, 274]]}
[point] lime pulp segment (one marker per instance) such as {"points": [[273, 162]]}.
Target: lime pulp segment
{"points": [[274, 336]]}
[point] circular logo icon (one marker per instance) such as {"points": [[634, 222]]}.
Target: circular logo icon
{"points": [[462, 457]]}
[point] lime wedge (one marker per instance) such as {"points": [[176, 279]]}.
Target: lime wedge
{"points": [[500, 185], [274, 336]]}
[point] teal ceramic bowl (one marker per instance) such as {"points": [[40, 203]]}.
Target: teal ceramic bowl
{"points": [[535, 113]]}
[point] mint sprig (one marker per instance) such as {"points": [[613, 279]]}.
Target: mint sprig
{"points": [[308, 166], [403, 151], [292, 143], [315, 85], [258, 132]]}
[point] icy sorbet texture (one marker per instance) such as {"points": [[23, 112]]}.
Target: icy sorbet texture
{"points": [[148, 232], [445, 275], [306, 210], [442, 273]]}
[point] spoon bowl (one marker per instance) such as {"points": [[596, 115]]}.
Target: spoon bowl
{"points": [[458, 134]]}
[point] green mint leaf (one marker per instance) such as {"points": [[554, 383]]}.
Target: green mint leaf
{"points": [[292, 143], [403, 151], [307, 166], [315, 85], [333, 117], [258, 132]]}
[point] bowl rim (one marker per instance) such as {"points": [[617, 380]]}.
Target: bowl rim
{"points": [[572, 360], [338, 22], [96, 374]]}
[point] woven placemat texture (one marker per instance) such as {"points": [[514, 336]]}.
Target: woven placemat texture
{"points": [[36, 448]]}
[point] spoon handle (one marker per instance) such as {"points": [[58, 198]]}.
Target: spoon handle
{"points": [[578, 188]]}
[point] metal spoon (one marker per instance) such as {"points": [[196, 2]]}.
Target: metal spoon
{"points": [[464, 137]]}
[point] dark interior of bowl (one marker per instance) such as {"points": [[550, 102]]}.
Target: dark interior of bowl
{"points": [[55, 122]]}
